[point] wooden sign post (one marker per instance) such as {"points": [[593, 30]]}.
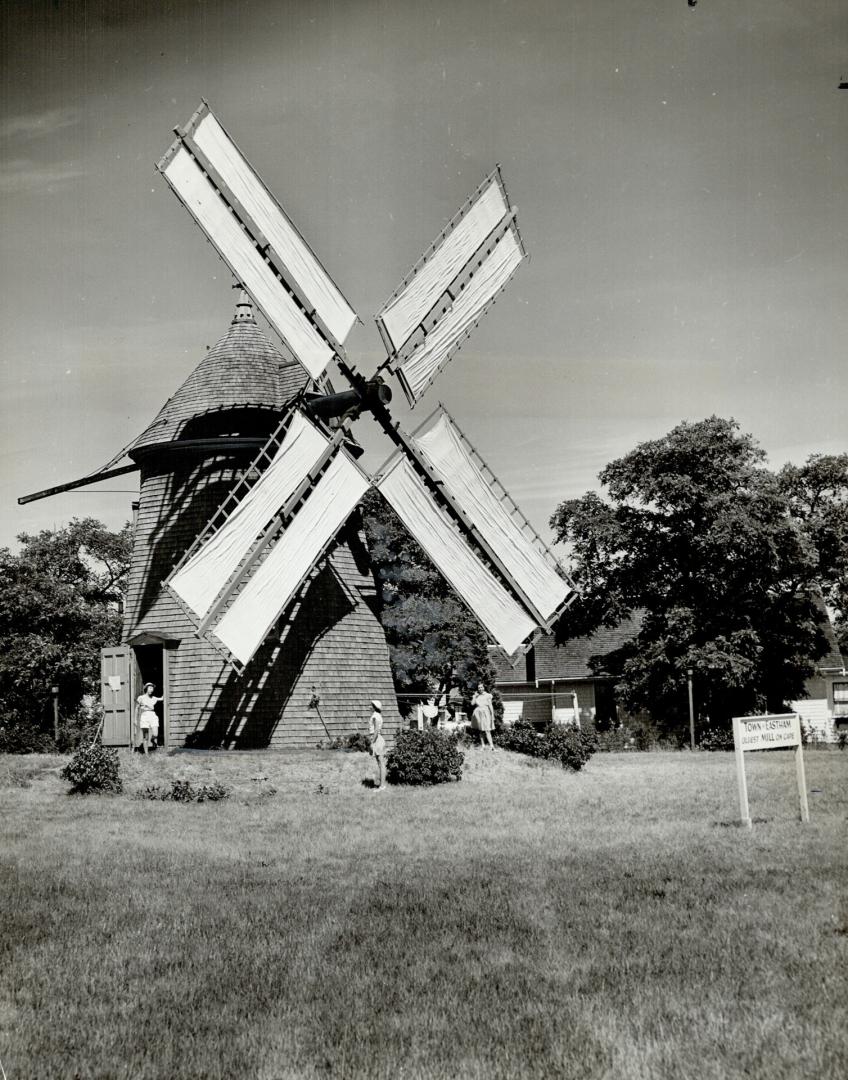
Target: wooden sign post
{"points": [[768, 733]]}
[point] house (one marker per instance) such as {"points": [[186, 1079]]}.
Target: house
{"points": [[555, 682], [824, 710]]}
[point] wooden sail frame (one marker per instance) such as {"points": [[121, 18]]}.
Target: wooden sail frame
{"points": [[402, 351], [546, 620], [296, 304], [272, 527], [336, 459]]}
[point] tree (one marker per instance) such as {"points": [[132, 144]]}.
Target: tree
{"points": [[60, 603], [818, 500], [433, 638], [725, 560]]}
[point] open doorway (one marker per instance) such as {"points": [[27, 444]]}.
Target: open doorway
{"points": [[151, 669]]}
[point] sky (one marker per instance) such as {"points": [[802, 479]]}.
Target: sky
{"points": [[680, 174]]}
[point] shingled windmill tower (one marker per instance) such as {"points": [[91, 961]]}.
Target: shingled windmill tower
{"points": [[250, 584], [333, 649]]}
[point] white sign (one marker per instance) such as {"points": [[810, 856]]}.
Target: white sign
{"points": [[768, 733], [115, 682]]}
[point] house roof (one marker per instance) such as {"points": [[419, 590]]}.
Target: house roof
{"points": [[243, 370], [570, 660]]}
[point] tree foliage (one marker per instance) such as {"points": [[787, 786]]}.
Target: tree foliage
{"points": [[433, 639], [726, 560], [60, 603]]}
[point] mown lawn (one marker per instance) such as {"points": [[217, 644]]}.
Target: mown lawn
{"points": [[525, 922]]}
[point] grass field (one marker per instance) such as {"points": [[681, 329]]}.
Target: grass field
{"points": [[526, 922]]}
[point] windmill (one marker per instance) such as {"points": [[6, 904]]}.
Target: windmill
{"points": [[285, 515]]}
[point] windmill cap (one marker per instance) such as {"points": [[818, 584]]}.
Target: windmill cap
{"points": [[377, 705]]}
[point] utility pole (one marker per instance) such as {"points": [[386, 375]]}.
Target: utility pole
{"points": [[691, 710], [54, 690]]}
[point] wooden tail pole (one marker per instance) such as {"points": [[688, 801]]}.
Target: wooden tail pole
{"points": [[744, 812], [802, 783]]}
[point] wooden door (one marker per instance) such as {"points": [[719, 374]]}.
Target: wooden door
{"points": [[116, 694]]}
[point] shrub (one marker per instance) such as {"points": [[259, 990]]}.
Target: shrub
{"points": [[615, 740], [571, 747], [357, 741], [716, 738], [79, 729], [185, 791], [19, 736], [354, 741], [521, 737], [94, 769], [424, 757]]}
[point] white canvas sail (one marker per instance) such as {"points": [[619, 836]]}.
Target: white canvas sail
{"points": [[295, 254], [419, 370], [199, 581], [246, 622], [507, 622], [195, 190], [402, 314], [531, 568]]}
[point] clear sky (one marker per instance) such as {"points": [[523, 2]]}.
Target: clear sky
{"points": [[681, 178]]}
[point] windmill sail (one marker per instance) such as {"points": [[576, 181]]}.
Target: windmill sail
{"points": [[526, 561], [259, 243], [507, 621], [439, 302], [200, 579], [306, 537]]}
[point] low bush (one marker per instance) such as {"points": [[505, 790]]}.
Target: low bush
{"points": [[354, 741], [716, 738], [424, 757], [185, 791], [571, 747], [94, 769], [615, 740], [18, 736]]}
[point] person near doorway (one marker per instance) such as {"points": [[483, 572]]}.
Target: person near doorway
{"points": [[378, 743], [148, 721], [483, 715]]}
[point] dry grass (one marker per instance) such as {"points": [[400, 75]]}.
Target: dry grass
{"points": [[526, 922]]}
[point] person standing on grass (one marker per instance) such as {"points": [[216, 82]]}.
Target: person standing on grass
{"points": [[484, 715], [148, 721], [378, 743]]}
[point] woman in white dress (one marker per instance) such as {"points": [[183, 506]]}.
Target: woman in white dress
{"points": [[148, 721], [483, 715]]}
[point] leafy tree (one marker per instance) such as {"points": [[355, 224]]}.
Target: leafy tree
{"points": [[60, 603], [433, 638], [725, 560], [818, 500]]}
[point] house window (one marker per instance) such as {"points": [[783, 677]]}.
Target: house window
{"points": [[840, 701]]}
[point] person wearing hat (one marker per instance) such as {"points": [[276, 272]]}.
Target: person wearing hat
{"points": [[378, 743], [148, 721]]}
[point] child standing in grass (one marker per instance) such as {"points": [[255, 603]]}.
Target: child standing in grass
{"points": [[378, 743]]}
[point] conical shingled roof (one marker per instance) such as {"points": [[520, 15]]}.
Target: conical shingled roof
{"points": [[244, 369]]}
